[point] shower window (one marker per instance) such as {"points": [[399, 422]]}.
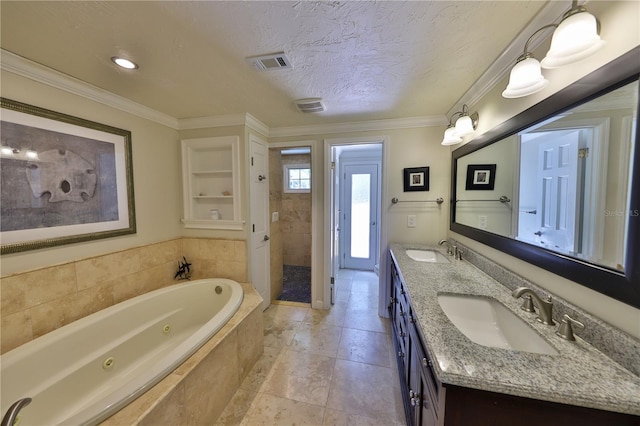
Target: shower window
{"points": [[297, 178]]}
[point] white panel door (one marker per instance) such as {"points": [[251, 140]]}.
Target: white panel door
{"points": [[557, 184], [259, 212]]}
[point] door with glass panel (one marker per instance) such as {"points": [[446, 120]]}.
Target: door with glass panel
{"points": [[360, 218]]}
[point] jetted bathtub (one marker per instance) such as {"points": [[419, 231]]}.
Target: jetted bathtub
{"points": [[84, 372]]}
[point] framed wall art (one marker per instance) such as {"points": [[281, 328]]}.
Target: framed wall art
{"points": [[416, 179], [64, 179], [481, 177]]}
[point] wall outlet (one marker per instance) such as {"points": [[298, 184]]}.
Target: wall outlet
{"points": [[411, 221], [482, 222], [275, 216]]}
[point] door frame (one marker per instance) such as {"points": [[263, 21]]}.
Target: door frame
{"points": [[329, 144], [316, 230]]}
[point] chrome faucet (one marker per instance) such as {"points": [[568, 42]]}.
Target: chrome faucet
{"points": [[11, 416], [450, 249], [545, 307]]}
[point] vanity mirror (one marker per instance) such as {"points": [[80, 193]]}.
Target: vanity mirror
{"points": [[565, 191]]}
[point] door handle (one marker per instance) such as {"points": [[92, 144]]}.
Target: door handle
{"points": [[261, 177], [266, 238], [373, 224], [539, 233]]}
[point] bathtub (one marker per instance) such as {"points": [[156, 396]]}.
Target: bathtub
{"points": [[82, 373]]}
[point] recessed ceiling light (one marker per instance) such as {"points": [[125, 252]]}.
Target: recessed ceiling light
{"points": [[124, 63]]}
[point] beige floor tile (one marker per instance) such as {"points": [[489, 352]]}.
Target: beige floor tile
{"points": [[365, 346], [280, 334], [366, 320], [362, 302], [343, 284], [270, 410], [342, 296], [237, 408], [340, 418], [261, 369], [301, 376], [351, 390], [333, 316], [276, 313], [317, 338]]}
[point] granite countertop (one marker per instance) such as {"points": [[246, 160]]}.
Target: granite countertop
{"points": [[580, 375]]}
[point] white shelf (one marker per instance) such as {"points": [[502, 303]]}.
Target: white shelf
{"points": [[205, 170], [214, 224]]}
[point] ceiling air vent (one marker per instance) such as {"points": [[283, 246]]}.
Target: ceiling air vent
{"points": [[276, 61], [310, 105]]}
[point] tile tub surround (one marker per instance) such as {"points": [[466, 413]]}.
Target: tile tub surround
{"points": [[613, 342], [580, 375], [197, 392], [37, 302]]}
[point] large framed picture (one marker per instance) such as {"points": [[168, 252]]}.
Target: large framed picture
{"points": [[64, 179], [416, 179], [481, 177]]}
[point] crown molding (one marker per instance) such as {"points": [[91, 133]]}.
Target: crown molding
{"points": [[359, 126], [245, 119], [499, 69], [23, 67]]}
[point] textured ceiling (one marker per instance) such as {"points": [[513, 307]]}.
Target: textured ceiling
{"points": [[367, 60]]}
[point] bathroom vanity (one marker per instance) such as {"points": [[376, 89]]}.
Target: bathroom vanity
{"points": [[448, 379]]}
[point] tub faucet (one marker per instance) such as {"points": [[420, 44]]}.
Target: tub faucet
{"points": [[545, 307], [12, 413], [450, 249]]}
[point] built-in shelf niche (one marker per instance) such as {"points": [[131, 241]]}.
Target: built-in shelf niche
{"points": [[210, 174]]}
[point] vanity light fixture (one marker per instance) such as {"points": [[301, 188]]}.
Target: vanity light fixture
{"points": [[464, 125], [31, 153], [124, 63], [575, 37], [6, 150]]}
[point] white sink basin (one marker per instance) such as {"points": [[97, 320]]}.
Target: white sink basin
{"points": [[431, 256], [488, 322]]}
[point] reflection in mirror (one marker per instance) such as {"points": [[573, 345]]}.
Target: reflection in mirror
{"points": [[567, 179], [566, 190]]}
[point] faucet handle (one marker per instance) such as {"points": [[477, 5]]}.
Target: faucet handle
{"points": [[565, 330], [527, 304]]}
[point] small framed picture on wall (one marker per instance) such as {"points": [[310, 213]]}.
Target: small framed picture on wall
{"points": [[481, 177], [416, 179]]}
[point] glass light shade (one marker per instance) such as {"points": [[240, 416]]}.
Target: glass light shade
{"points": [[575, 38], [450, 138], [525, 79], [464, 126]]}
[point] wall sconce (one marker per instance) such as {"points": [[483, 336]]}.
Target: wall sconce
{"points": [[575, 37], [465, 124]]}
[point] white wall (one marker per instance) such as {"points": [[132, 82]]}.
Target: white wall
{"points": [[620, 22], [156, 175], [413, 147]]}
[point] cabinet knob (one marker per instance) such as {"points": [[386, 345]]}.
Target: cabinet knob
{"points": [[261, 177], [426, 362], [266, 238], [400, 354]]}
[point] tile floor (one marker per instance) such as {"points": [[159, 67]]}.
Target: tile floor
{"points": [[323, 367]]}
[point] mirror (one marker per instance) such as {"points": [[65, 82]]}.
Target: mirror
{"points": [[556, 185]]}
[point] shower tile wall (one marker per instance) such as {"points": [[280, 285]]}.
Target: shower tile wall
{"points": [[295, 221], [36, 302]]}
